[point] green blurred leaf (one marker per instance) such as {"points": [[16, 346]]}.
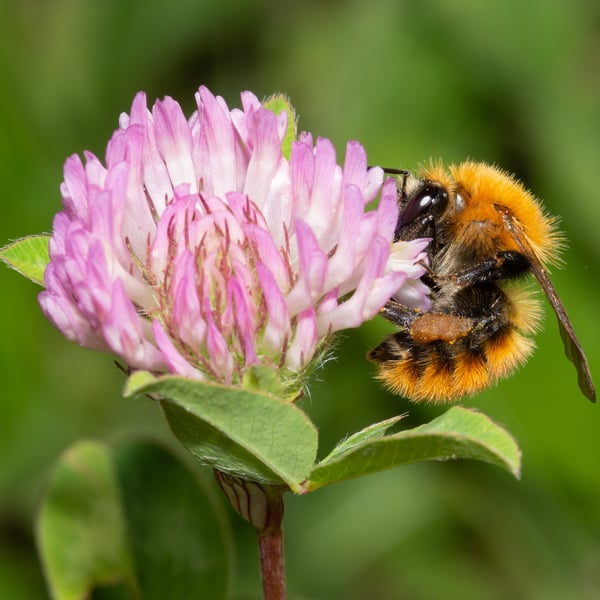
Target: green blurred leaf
{"points": [[81, 530], [134, 523], [176, 536], [246, 433], [458, 433], [28, 256], [279, 103]]}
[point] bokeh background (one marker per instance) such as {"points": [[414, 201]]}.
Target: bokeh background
{"points": [[510, 82]]}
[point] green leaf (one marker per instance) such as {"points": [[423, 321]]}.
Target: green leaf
{"points": [[28, 256], [135, 519], [81, 530], [263, 379], [458, 433], [243, 432], [277, 104], [372, 432], [177, 538]]}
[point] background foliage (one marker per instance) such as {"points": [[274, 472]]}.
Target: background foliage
{"points": [[514, 83]]}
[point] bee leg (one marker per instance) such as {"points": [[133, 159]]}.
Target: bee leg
{"points": [[507, 264], [400, 315]]}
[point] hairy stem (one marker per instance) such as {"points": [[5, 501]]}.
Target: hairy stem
{"points": [[262, 506], [272, 564]]}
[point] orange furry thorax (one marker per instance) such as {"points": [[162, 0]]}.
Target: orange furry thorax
{"points": [[478, 221]]}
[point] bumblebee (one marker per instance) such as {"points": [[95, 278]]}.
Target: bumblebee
{"points": [[487, 233]]}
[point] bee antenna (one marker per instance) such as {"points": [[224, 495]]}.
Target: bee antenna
{"points": [[403, 172]]}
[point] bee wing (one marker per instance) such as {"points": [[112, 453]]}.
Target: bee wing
{"points": [[573, 348]]}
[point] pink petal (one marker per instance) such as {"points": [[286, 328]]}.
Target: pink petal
{"points": [[187, 317], [343, 263], [387, 209], [304, 344], [64, 315], [266, 156], [369, 296], [218, 157], [122, 331], [156, 182], [74, 188], [269, 254], [245, 320], [326, 190], [174, 142], [302, 165], [355, 165], [414, 294], [221, 360], [312, 271], [277, 329], [372, 186], [174, 360]]}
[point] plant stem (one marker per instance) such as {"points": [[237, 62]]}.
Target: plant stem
{"points": [[272, 564], [261, 505]]}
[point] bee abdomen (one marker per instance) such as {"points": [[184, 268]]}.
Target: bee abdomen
{"points": [[444, 371]]}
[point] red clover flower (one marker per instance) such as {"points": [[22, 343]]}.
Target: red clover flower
{"points": [[200, 249]]}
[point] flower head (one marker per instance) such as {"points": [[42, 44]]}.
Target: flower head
{"points": [[198, 248]]}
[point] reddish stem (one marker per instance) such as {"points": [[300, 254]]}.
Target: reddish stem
{"points": [[272, 564], [261, 505]]}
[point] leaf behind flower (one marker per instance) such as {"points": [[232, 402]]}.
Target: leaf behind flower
{"points": [[28, 256], [277, 104]]}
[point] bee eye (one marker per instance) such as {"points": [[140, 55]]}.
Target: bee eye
{"points": [[429, 198]]}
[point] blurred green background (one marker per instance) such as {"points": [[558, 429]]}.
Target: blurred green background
{"points": [[514, 83]]}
